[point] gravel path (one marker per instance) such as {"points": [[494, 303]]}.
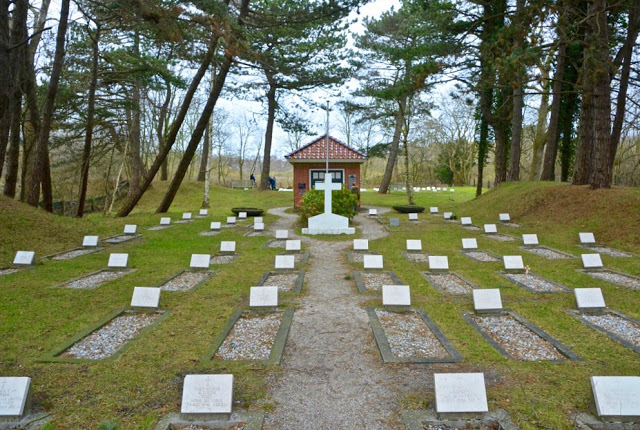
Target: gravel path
{"points": [[332, 376]]}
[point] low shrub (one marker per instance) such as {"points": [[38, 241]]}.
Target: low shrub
{"points": [[343, 202]]}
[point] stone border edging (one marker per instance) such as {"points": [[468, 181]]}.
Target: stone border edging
{"points": [[416, 419], [253, 421], [578, 315]]}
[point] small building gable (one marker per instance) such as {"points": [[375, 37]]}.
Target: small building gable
{"points": [[316, 151]]}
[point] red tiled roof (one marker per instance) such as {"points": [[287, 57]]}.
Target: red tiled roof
{"points": [[317, 150]]}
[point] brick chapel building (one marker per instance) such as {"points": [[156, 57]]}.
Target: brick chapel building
{"points": [[309, 165]]}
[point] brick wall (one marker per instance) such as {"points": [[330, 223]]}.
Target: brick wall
{"points": [[301, 175]]}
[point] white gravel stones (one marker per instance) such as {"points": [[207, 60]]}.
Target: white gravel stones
{"points": [[617, 278], [534, 283], [481, 256], [251, 337], [409, 336], [120, 238], [158, 227], [417, 257], [449, 283], [621, 327], [548, 253], [375, 281], [185, 281], [516, 339], [72, 254], [95, 280], [209, 233], [501, 237], [284, 281], [107, 340], [610, 251], [8, 271], [223, 258], [277, 243]]}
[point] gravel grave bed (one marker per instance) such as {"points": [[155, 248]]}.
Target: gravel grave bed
{"points": [[108, 339], [223, 259], [621, 327], [238, 426], [183, 221], [466, 427], [8, 271], [410, 336], [610, 251], [277, 243], [449, 283], [481, 256], [185, 281], [547, 253], [534, 283], [94, 281], [297, 257], [254, 233], [375, 281], [251, 337], [284, 281], [471, 227], [72, 254], [519, 342], [416, 257], [358, 257], [209, 233], [120, 238], [510, 224], [617, 278], [158, 227], [501, 237]]}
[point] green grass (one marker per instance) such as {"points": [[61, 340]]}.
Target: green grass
{"points": [[144, 383]]}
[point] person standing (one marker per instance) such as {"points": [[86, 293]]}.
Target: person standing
{"points": [[253, 181]]}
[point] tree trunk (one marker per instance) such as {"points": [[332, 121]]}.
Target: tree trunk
{"points": [[207, 172], [86, 153], [553, 132], [43, 138], [8, 70], [483, 146], [407, 177], [502, 141], [268, 135], [162, 118], [540, 138], [137, 168], [395, 144], [518, 97], [173, 133]]}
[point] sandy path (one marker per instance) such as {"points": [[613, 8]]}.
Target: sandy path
{"points": [[332, 376]]}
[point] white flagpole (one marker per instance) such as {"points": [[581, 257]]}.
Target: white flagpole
{"points": [[327, 144]]}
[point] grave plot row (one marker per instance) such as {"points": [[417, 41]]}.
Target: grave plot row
{"points": [[186, 280], [289, 281], [588, 241], [373, 281], [449, 283], [89, 246], [22, 260], [116, 268]]}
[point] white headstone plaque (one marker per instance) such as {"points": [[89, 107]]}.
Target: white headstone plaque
{"points": [[263, 296], [285, 261], [186, 216], [145, 297], [394, 222], [231, 220], [118, 260], [587, 238], [90, 241], [460, 392], [228, 246], [487, 299], [414, 245], [200, 261], [513, 262], [413, 217], [361, 244], [258, 226], [438, 262], [207, 394], [242, 215], [591, 261], [504, 217], [466, 220], [587, 298], [372, 261], [165, 220], [490, 228], [396, 295], [530, 239], [470, 243], [216, 225], [130, 229], [616, 395], [433, 209], [203, 212], [258, 220], [282, 234], [14, 392], [24, 258], [447, 215], [292, 245], [373, 212]]}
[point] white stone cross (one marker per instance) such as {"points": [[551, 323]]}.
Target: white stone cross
{"points": [[327, 186]]}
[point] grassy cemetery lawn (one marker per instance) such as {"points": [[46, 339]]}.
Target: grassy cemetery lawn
{"points": [[134, 390]]}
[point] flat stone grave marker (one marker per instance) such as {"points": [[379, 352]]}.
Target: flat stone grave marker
{"points": [[90, 241], [617, 396], [438, 262], [203, 212], [373, 212], [258, 226], [228, 246], [263, 296], [513, 262], [504, 217], [14, 392], [487, 300], [372, 261], [200, 261], [118, 260], [433, 210], [145, 297], [130, 229], [361, 244], [414, 245], [591, 261], [447, 215], [490, 228], [282, 234], [207, 394], [587, 238], [293, 245], [216, 225], [452, 190], [469, 243], [394, 222], [242, 215], [413, 217], [231, 220], [186, 216], [258, 220], [396, 295], [466, 220], [530, 239], [285, 261], [165, 220], [460, 392], [24, 258], [589, 298]]}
